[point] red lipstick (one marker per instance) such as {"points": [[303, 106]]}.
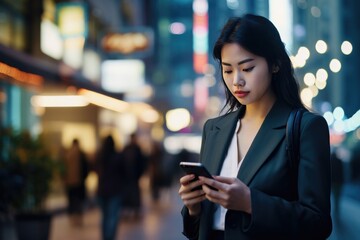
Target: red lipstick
{"points": [[241, 94]]}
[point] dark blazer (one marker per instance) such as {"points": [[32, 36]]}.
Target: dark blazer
{"points": [[285, 204]]}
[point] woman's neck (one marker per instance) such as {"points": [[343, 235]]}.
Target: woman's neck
{"points": [[258, 111]]}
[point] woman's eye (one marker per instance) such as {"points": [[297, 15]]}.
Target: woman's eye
{"points": [[227, 71], [248, 69]]}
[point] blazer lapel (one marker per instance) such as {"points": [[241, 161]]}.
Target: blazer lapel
{"points": [[218, 140], [269, 136]]}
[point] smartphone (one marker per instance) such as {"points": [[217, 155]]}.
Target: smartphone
{"points": [[196, 168]]}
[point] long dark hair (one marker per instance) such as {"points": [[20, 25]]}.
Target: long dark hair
{"points": [[259, 36]]}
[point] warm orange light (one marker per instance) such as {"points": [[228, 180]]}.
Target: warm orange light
{"points": [[104, 101], [126, 42], [20, 76], [59, 101]]}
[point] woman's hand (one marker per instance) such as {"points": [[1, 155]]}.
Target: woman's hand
{"points": [[190, 197], [232, 193]]}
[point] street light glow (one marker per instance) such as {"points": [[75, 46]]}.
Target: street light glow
{"points": [[297, 62], [306, 96], [321, 46], [320, 84], [177, 119], [329, 117], [346, 47], [338, 113], [309, 79], [335, 65], [321, 75], [303, 53], [177, 28], [315, 90]]}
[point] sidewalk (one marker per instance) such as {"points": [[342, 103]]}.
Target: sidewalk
{"points": [[160, 221], [348, 225], [163, 221]]}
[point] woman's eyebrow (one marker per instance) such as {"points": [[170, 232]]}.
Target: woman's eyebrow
{"points": [[239, 63]]}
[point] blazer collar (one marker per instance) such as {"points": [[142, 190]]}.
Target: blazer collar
{"points": [[270, 134], [218, 140]]}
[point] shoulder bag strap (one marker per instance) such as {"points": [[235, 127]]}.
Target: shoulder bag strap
{"points": [[293, 137]]}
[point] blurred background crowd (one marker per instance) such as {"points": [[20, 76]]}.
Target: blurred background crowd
{"points": [[101, 99]]}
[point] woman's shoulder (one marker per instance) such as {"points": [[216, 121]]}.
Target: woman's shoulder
{"points": [[311, 114], [313, 118]]}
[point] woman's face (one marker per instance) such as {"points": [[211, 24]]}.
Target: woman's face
{"points": [[247, 76]]}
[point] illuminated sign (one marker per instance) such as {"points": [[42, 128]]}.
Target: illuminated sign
{"points": [[50, 40], [122, 75], [72, 19], [200, 33], [128, 42]]}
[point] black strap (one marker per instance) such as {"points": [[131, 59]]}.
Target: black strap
{"points": [[293, 136]]}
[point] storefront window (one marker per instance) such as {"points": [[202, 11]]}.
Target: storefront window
{"points": [[12, 25], [19, 34], [5, 26]]}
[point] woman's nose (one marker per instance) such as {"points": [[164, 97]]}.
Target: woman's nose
{"points": [[238, 80]]}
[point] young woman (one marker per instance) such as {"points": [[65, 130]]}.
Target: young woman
{"points": [[259, 195]]}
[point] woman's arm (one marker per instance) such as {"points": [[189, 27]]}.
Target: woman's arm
{"points": [[192, 201]]}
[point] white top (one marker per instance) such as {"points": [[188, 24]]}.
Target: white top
{"points": [[230, 168]]}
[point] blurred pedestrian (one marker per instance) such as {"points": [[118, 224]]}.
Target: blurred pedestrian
{"points": [[135, 164], [260, 192], [337, 180], [76, 170], [155, 170], [110, 188]]}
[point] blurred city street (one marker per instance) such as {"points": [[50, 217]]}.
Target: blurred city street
{"points": [[161, 221], [142, 74]]}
